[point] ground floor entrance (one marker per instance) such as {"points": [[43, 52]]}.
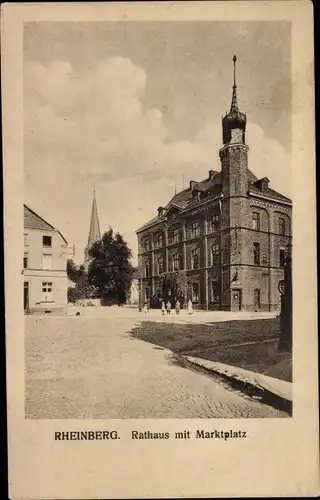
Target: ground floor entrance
{"points": [[236, 299]]}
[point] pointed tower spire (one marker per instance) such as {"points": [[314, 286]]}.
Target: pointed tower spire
{"points": [[94, 228], [234, 120], [234, 101]]}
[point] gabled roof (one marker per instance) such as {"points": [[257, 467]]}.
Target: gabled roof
{"points": [[31, 220]]}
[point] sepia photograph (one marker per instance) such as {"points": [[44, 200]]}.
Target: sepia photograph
{"points": [[160, 249], [157, 219]]}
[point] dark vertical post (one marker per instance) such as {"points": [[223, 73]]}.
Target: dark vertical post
{"points": [[285, 340]]}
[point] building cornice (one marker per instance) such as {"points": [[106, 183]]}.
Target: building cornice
{"points": [[274, 200]]}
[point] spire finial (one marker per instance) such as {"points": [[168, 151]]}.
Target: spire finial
{"points": [[234, 102]]}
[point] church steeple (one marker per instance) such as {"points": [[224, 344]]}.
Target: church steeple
{"points": [[94, 228], [234, 122]]}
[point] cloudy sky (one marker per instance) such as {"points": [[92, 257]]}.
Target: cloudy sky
{"points": [[134, 109]]}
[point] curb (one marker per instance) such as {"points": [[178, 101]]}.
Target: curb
{"points": [[250, 386]]}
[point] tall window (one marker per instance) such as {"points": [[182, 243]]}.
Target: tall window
{"points": [[256, 254], [213, 224], [25, 238], [256, 298], [25, 262], [195, 258], [282, 226], [159, 240], [146, 244], [46, 292], [195, 292], [214, 292], [176, 262], [195, 229], [281, 257], [147, 269], [46, 261], [175, 235], [160, 264], [46, 241], [214, 254], [256, 221]]}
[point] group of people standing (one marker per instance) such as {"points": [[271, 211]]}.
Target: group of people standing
{"points": [[167, 307]]}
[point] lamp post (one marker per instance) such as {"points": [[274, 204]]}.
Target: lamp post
{"points": [[285, 339]]}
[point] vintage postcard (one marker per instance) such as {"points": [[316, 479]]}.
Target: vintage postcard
{"points": [[160, 249]]}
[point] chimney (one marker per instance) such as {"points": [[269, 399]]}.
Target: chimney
{"points": [[192, 184], [212, 173]]}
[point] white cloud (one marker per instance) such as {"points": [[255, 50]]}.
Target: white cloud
{"points": [[93, 127]]}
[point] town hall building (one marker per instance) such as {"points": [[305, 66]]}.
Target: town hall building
{"points": [[228, 233]]}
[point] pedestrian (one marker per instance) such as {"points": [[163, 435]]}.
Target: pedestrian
{"points": [[168, 307], [190, 309], [145, 307], [177, 307], [163, 308]]}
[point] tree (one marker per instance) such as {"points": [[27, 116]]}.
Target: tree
{"points": [[83, 289], [72, 295], [72, 270], [111, 271]]}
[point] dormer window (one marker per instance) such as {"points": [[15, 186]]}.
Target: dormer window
{"points": [[196, 196], [161, 211], [262, 184]]}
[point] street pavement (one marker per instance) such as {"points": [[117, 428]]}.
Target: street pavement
{"points": [[198, 316], [91, 367]]}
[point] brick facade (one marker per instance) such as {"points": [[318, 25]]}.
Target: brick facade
{"points": [[228, 233]]}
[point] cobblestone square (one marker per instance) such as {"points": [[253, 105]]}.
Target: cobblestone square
{"points": [[91, 367]]}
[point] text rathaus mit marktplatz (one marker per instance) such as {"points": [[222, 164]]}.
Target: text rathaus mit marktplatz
{"points": [[229, 233]]}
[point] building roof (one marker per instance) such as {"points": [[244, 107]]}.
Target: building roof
{"points": [[180, 199], [270, 193], [183, 199], [31, 220]]}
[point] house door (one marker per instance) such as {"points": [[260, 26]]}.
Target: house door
{"points": [[26, 295], [236, 300], [256, 299]]}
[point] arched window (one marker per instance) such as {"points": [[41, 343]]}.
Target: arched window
{"points": [[195, 258], [282, 226], [147, 269], [176, 262], [214, 254]]}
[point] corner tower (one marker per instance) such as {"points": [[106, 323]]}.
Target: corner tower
{"points": [[235, 203], [234, 153]]}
